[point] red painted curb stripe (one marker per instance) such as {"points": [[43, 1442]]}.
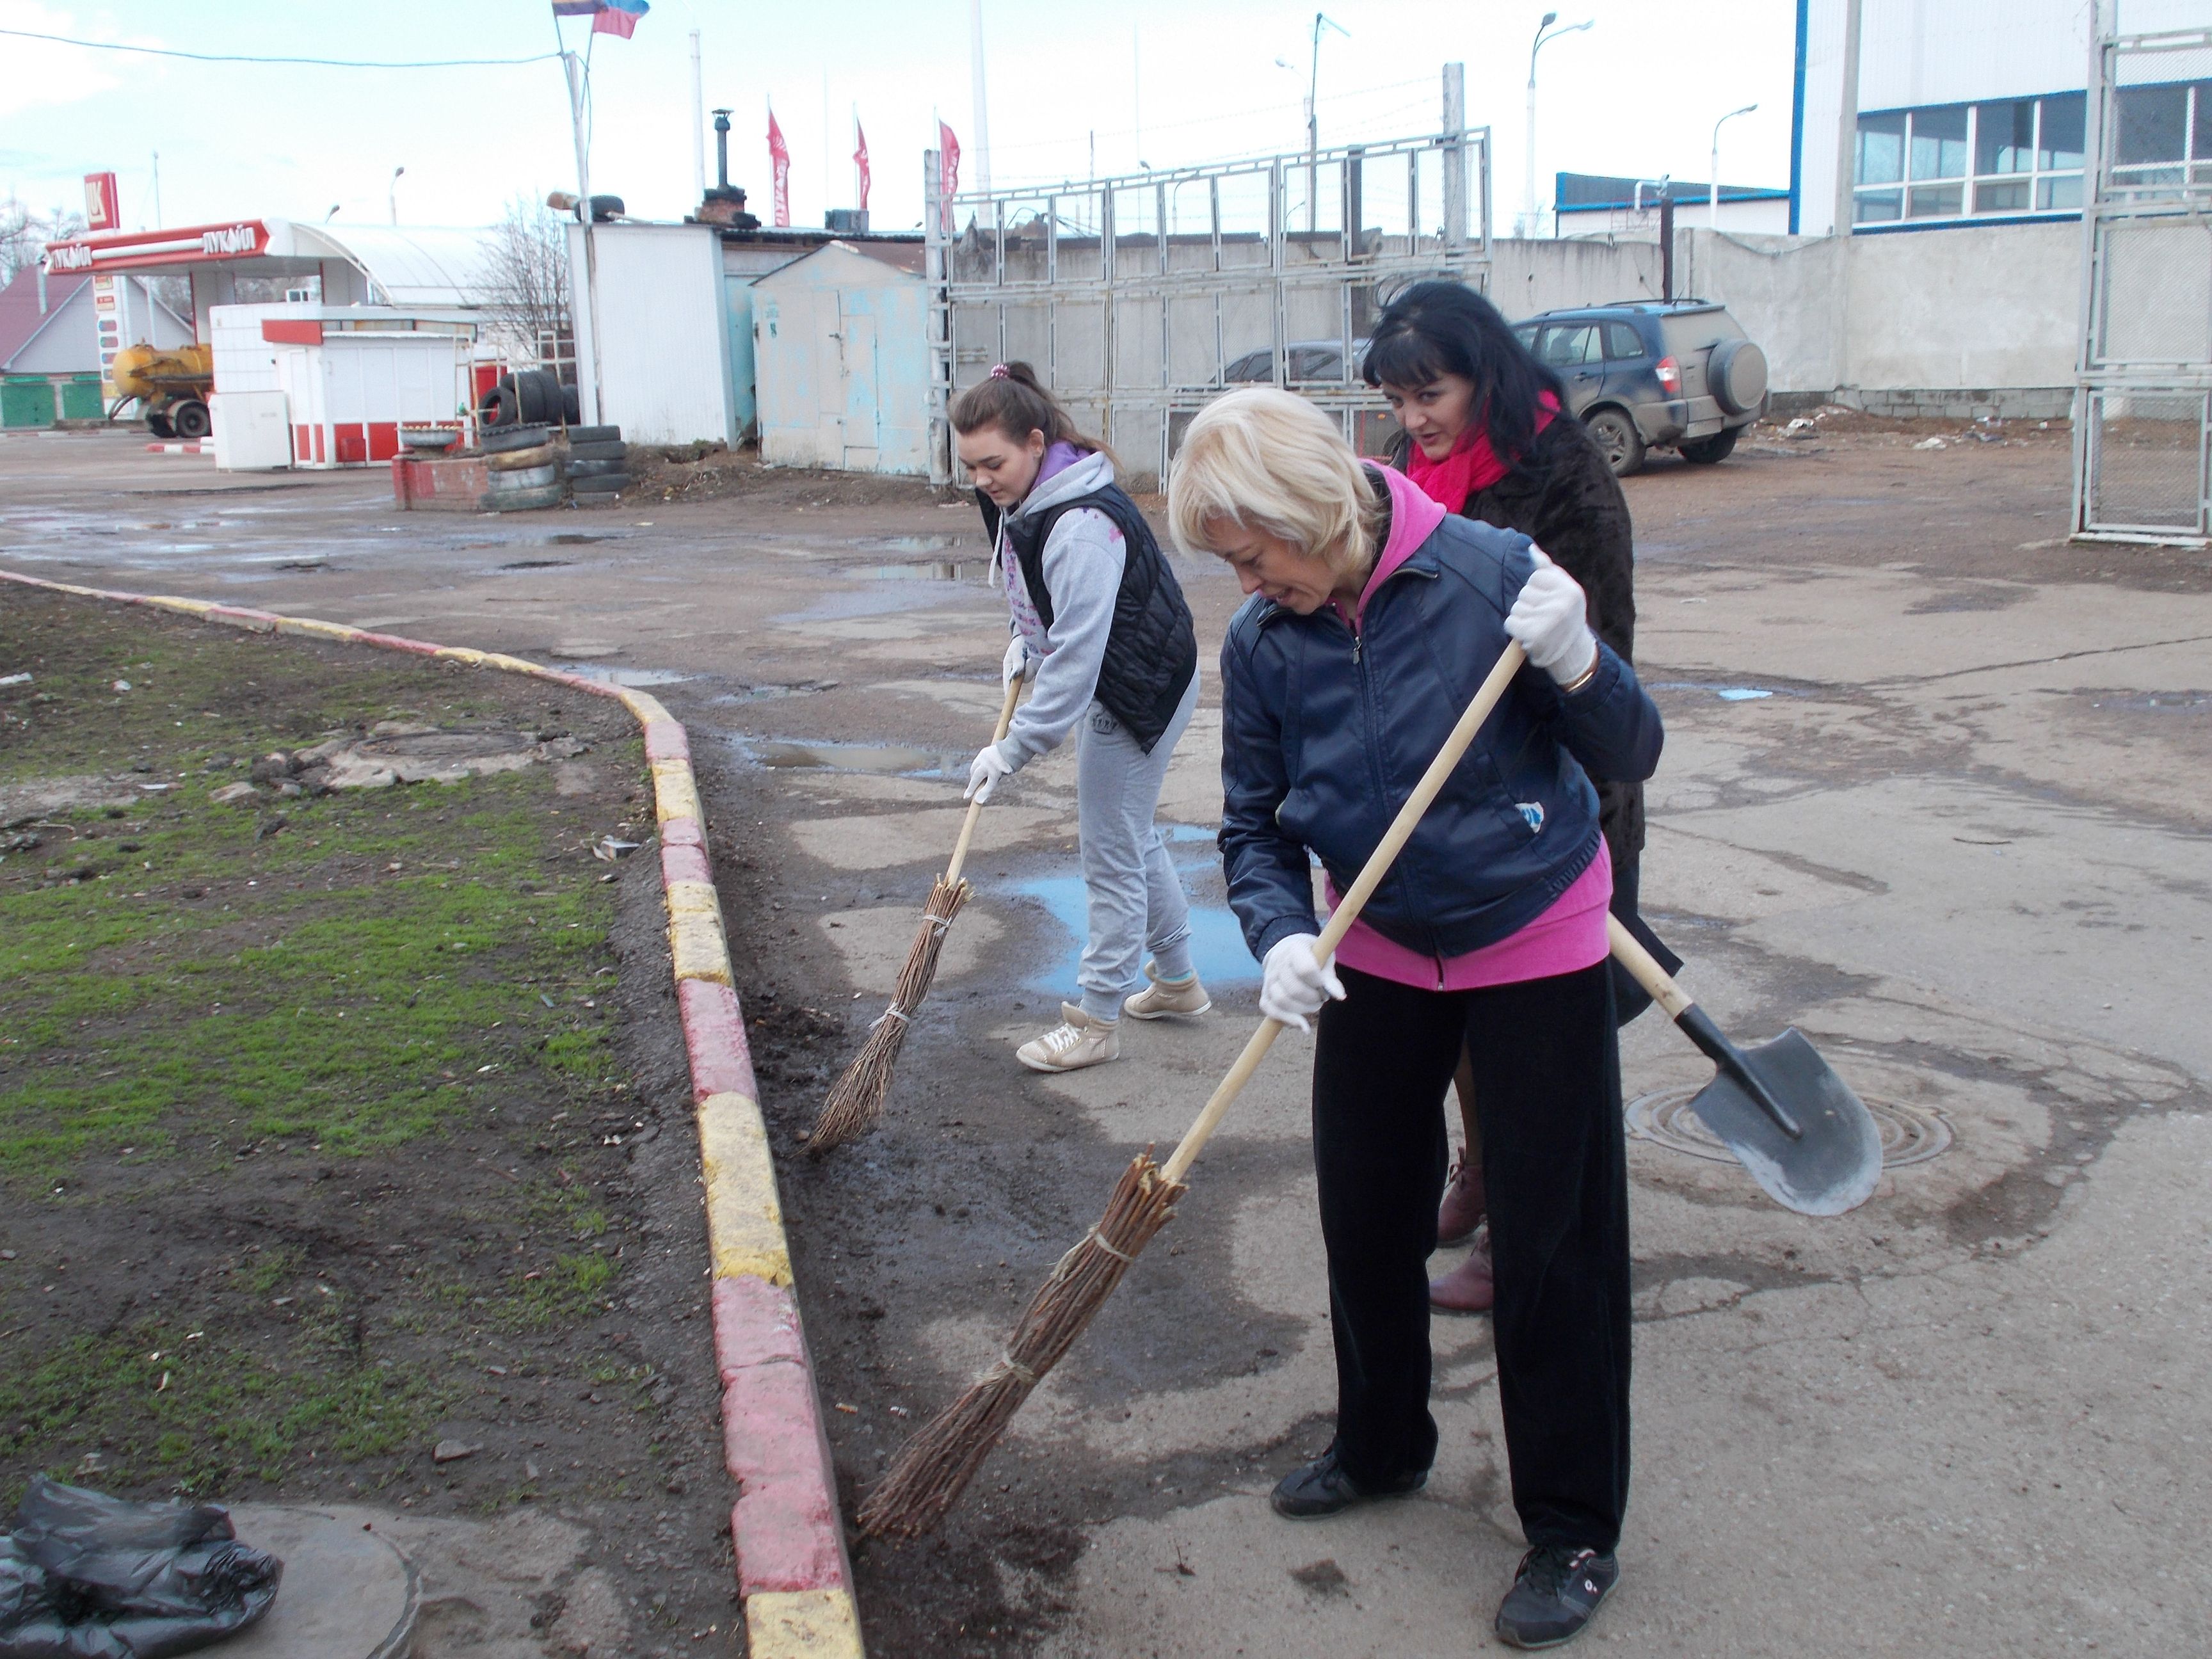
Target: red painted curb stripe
{"points": [[714, 1038], [684, 863], [682, 832], [666, 740]]}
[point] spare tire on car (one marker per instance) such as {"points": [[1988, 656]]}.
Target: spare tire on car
{"points": [[1736, 376]]}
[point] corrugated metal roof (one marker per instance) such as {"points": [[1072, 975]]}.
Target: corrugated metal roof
{"points": [[412, 265]]}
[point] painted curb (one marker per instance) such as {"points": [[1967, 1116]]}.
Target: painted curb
{"points": [[791, 1562]]}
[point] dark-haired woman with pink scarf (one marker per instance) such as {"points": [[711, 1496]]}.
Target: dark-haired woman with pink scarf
{"points": [[1485, 438]]}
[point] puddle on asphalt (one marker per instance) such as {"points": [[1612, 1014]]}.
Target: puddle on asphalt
{"points": [[1216, 943], [539, 564], [2165, 702], [633, 678], [573, 539], [890, 759], [912, 543], [770, 693], [300, 564], [1727, 693], [937, 570]]}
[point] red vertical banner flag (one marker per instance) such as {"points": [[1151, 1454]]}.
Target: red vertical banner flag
{"points": [[779, 158], [860, 158], [948, 170]]}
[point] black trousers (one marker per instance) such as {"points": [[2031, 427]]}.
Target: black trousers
{"points": [[1547, 1093]]}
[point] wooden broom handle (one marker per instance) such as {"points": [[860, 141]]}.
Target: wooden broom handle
{"points": [[975, 807], [1355, 900], [1644, 967]]}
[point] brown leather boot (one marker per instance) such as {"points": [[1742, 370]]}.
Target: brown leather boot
{"points": [[1467, 1288], [1463, 1207]]}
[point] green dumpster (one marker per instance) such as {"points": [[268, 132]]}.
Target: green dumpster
{"points": [[27, 400], [81, 399]]}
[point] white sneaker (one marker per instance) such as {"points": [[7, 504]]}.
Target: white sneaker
{"points": [[1164, 997], [1077, 1041]]}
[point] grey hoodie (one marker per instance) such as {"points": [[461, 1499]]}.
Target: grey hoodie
{"points": [[1083, 562]]}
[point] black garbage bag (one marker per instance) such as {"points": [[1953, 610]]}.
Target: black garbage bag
{"points": [[84, 1576]]}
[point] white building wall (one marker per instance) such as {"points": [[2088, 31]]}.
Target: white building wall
{"points": [[663, 375]]}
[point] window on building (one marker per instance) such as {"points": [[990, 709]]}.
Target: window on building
{"points": [[1961, 160]]}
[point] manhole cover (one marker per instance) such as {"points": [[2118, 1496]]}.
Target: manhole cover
{"points": [[1909, 1134]]}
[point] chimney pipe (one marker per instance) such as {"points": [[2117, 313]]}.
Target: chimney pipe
{"points": [[722, 148]]}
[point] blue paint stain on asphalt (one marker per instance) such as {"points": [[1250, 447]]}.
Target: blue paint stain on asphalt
{"points": [[1217, 943]]}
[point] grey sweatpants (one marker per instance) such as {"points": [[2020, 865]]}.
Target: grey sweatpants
{"points": [[1137, 901]]}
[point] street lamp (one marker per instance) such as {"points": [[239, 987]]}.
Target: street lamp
{"points": [[1713, 191], [1313, 116], [1530, 219], [391, 194]]}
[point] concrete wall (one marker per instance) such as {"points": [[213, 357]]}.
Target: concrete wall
{"points": [[1895, 321], [663, 373]]}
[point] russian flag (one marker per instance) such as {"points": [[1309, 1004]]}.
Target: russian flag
{"points": [[608, 17]]}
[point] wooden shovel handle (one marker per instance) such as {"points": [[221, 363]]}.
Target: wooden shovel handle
{"points": [[1355, 898], [975, 807], [1641, 963]]}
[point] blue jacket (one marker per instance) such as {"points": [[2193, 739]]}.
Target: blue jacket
{"points": [[1324, 735]]}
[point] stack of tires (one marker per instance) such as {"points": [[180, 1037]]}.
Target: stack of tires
{"points": [[596, 464], [537, 465], [533, 397]]}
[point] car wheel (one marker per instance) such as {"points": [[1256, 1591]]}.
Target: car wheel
{"points": [[1617, 440], [190, 419], [1706, 451], [157, 422]]}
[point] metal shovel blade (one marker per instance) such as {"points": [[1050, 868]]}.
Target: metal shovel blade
{"points": [[1828, 1168]]}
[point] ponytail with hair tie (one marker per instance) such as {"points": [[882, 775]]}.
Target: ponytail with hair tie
{"points": [[1011, 398]]}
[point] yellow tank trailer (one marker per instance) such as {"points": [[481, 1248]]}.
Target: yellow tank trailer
{"points": [[171, 384]]}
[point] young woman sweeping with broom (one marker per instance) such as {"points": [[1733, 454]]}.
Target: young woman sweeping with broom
{"points": [[1485, 436], [1099, 621], [1374, 615]]}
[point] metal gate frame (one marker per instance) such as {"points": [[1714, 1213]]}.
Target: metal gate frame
{"points": [[974, 285], [2114, 207]]}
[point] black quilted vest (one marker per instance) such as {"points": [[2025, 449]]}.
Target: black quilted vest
{"points": [[1152, 648]]}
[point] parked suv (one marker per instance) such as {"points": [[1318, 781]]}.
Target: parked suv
{"points": [[1677, 373]]}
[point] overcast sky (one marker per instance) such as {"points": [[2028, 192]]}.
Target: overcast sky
{"points": [[1165, 81]]}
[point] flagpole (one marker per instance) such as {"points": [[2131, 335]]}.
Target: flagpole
{"points": [[573, 68], [983, 103]]}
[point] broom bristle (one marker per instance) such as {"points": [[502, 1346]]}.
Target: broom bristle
{"points": [[933, 1469], [855, 1105]]}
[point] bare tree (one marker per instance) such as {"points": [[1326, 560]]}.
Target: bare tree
{"points": [[24, 234], [526, 292]]}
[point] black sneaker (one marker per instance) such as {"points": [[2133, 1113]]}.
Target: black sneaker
{"points": [[1323, 1488], [1554, 1593]]}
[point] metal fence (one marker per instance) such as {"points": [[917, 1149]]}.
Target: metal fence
{"points": [[2142, 405], [1136, 299]]}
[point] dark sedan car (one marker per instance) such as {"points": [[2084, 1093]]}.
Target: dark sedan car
{"points": [[1676, 373]]}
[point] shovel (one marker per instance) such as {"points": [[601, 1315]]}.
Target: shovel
{"points": [[1779, 1107]]}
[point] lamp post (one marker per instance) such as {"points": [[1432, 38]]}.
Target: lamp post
{"points": [[1322, 20], [391, 194], [1713, 191], [1531, 221]]}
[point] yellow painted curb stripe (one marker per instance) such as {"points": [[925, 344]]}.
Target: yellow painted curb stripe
{"points": [[694, 897], [744, 1219], [644, 709], [460, 654], [695, 941], [676, 795], [816, 1624], [316, 629]]}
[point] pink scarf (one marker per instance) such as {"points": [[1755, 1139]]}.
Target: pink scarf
{"points": [[1473, 464]]}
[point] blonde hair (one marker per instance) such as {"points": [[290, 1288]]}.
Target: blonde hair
{"points": [[1270, 461]]}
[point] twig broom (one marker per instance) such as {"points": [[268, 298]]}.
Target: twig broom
{"points": [[935, 1465], [855, 1105]]}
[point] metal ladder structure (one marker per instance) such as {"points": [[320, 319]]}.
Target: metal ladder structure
{"points": [[2142, 399]]}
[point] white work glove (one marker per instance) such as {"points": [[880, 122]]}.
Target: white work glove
{"points": [[1292, 985], [1551, 620], [984, 774], [1018, 663]]}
